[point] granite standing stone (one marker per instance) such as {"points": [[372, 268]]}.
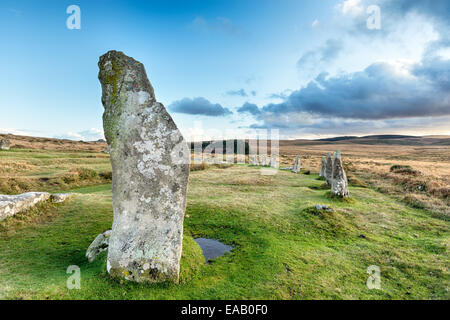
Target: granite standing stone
{"points": [[329, 169], [339, 183], [297, 165], [323, 167], [150, 171]]}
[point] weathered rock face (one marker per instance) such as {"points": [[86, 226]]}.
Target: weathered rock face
{"points": [[10, 205], [297, 165], [100, 244], [4, 144], [323, 168], [329, 169], [150, 162], [339, 183]]}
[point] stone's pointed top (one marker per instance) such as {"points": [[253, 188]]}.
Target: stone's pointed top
{"points": [[123, 79], [337, 154], [119, 72]]}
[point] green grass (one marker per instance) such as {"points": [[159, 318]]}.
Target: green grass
{"points": [[281, 250]]}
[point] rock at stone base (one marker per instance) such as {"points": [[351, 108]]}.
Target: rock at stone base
{"points": [[320, 207], [339, 183], [150, 161], [4, 144], [329, 169], [60, 197], [100, 244], [12, 204]]}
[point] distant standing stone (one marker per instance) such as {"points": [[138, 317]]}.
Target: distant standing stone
{"points": [[273, 162], [329, 169], [4, 144], [254, 160], [150, 161], [263, 161], [297, 165], [339, 184], [323, 167]]}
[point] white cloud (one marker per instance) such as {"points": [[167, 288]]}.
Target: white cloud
{"points": [[19, 132], [315, 23], [351, 7], [92, 134]]}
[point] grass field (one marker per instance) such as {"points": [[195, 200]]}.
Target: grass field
{"points": [[283, 249]]}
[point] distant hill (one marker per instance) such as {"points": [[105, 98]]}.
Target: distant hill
{"points": [[378, 140], [25, 142]]}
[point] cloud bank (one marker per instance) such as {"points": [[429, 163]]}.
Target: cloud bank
{"points": [[199, 106]]}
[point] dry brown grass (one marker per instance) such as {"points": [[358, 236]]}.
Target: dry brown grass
{"points": [[24, 142]]}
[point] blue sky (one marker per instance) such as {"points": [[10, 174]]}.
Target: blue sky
{"points": [[308, 68]]}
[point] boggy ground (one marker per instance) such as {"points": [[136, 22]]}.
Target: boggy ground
{"points": [[283, 248]]}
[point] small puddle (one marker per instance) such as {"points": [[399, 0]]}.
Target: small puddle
{"points": [[212, 248]]}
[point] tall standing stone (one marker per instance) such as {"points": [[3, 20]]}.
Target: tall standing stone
{"points": [[150, 162], [329, 169], [297, 165], [339, 183], [323, 167]]}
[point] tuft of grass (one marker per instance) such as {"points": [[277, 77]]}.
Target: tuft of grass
{"points": [[404, 169], [323, 186], [356, 182], [198, 166], [414, 201]]}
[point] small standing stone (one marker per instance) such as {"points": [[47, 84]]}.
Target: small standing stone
{"points": [[339, 184], [274, 162], [4, 144], [263, 161], [297, 165], [329, 169], [150, 161], [254, 160], [323, 167]]}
